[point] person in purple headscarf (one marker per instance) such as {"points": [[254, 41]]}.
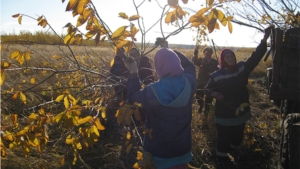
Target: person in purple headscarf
{"points": [[169, 101], [232, 110]]}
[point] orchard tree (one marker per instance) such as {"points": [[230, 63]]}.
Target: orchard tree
{"points": [[258, 13], [69, 91]]}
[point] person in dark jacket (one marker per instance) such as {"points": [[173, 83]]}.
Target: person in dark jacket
{"points": [[207, 65], [169, 101], [144, 66], [232, 110], [119, 75]]}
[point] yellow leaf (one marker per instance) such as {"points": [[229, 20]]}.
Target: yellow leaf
{"points": [[128, 135], [14, 118], [80, 20], [134, 17], [59, 98], [2, 77], [238, 0], [66, 102], [23, 97], [94, 132], [230, 27], [84, 120], [211, 25], [112, 62], [15, 96], [123, 15], [87, 13], [136, 166], [22, 132], [77, 144], [27, 55], [98, 124], [62, 162], [201, 12], [122, 43], [20, 19], [21, 59], [133, 31], [42, 111], [67, 39], [43, 23], [5, 65], [81, 6], [59, 117], [139, 155], [170, 18], [32, 80], [8, 136], [221, 18], [57, 57], [15, 54], [128, 148], [244, 105], [69, 139], [118, 33], [103, 114], [71, 5], [32, 117], [39, 18]]}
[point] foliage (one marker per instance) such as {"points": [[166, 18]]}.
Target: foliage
{"points": [[257, 13], [68, 87]]}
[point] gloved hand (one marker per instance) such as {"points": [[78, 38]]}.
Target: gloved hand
{"points": [[159, 41], [267, 32], [131, 65], [217, 95]]}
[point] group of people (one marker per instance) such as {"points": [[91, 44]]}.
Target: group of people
{"points": [[169, 100]]}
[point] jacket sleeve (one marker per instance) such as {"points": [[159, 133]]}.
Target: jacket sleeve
{"points": [[145, 71], [189, 70], [210, 87], [134, 91], [197, 61], [255, 57], [187, 65]]}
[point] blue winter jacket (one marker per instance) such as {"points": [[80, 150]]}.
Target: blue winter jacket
{"points": [[169, 105], [233, 86]]}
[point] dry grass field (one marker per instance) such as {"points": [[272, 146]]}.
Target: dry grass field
{"points": [[85, 71]]}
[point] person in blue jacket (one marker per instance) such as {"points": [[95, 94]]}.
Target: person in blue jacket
{"points": [[169, 104], [232, 110]]}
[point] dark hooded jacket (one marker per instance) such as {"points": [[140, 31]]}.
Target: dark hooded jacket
{"points": [[233, 86], [169, 102]]}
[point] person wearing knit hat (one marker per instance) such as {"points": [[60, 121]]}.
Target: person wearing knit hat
{"points": [[169, 104], [206, 66], [232, 108], [230, 62]]}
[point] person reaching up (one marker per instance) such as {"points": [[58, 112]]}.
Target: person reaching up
{"points": [[169, 101]]}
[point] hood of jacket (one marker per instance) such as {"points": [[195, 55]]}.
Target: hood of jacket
{"points": [[172, 91]]}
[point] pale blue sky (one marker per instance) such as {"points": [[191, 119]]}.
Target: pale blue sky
{"points": [[54, 11]]}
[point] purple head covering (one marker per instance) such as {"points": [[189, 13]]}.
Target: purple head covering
{"points": [[167, 63]]}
